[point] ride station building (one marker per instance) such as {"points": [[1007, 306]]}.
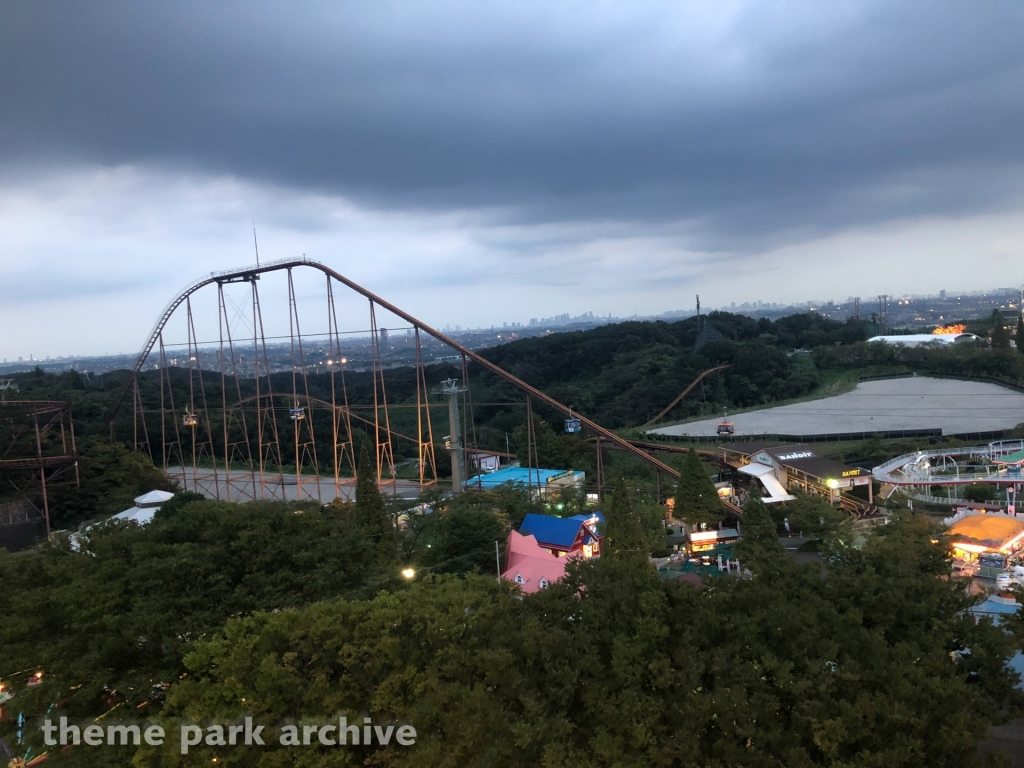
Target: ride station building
{"points": [[783, 467]]}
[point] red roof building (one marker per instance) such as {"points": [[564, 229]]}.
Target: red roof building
{"points": [[530, 565]]}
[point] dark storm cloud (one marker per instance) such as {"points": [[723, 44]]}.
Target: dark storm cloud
{"points": [[733, 124]]}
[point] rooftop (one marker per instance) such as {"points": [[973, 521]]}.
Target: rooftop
{"points": [[522, 475], [990, 530], [555, 531]]}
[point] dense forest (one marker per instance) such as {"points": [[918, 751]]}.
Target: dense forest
{"points": [[293, 614]]}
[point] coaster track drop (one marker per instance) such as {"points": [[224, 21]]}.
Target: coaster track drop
{"points": [[264, 474]]}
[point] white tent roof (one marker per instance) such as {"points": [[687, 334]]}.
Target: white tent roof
{"points": [[766, 475], [146, 506], [153, 498], [756, 469], [136, 515]]}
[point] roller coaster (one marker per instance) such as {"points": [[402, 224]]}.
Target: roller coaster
{"points": [[246, 428]]}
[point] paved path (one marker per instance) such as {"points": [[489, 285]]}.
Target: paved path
{"points": [[893, 404], [322, 489]]}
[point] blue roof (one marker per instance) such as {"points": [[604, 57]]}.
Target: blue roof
{"points": [[522, 475], [560, 531], [588, 515], [557, 531]]}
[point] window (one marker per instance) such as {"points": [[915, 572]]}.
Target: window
{"points": [[543, 583], [519, 578]]}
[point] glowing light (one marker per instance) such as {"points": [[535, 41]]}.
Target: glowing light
{"points": [[344, 360], [409, 573], [944, 329], [975, 548], [1012, 542], [833, 483]]}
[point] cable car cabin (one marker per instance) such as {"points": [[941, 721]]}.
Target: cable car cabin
{"points": [[726, 428], [572, 426], [298, 414], [190, 419]]}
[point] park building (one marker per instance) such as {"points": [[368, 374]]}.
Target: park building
{"points": [[537, 554], [781, 468], [578, 535], [546, 482], [986, 537]]}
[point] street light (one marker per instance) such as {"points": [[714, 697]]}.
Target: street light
{"points": [[408, 573]]}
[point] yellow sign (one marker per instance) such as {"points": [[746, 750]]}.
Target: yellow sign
{"points": [[851, 472]]}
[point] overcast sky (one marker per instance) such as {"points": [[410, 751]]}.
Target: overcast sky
{"points": [[482, 162]]}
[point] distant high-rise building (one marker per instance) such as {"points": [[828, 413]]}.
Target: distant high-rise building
{"points": [[942, 294]]}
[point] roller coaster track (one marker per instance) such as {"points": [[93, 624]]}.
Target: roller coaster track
{"points": [[684, 393], [712, 456], [252, 273]]}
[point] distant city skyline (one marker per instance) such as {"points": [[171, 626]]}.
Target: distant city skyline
{"points": [[904, 310]]}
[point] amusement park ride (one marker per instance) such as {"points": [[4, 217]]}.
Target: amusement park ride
{"points": [[260, 436], [998, 463]]}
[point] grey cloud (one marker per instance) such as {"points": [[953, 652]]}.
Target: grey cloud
{"points": [[737, 124]]}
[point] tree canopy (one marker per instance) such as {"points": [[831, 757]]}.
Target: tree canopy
{"points": [[696, 499], [624, 532], [858, 666]]}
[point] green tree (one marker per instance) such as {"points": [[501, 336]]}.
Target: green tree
{"points": [[182, 499], [697, 500], [554, 451], [370, 516], [812, 515], [796, 667], [115, 613], [624, 532], [979, 492], [460, 535], [112, 475], [757, 524], [1000, 338], [759, 545]]}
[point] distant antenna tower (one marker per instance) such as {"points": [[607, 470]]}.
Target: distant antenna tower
{"points": [[883, 313], [698, 313], [856, 307]]}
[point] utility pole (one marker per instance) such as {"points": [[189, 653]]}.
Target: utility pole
{"points": [[451, 389], [497, 559]]}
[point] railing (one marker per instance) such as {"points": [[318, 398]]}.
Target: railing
{"points": [[885, 473]]}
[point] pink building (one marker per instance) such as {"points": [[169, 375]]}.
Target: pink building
{"points": [[530, 565]]}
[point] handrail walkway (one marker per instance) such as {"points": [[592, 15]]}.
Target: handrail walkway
{"points": [[920, 469]]}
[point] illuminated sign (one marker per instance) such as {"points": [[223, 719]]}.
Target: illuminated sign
{"points": [[851, 473], [800, 455]]}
